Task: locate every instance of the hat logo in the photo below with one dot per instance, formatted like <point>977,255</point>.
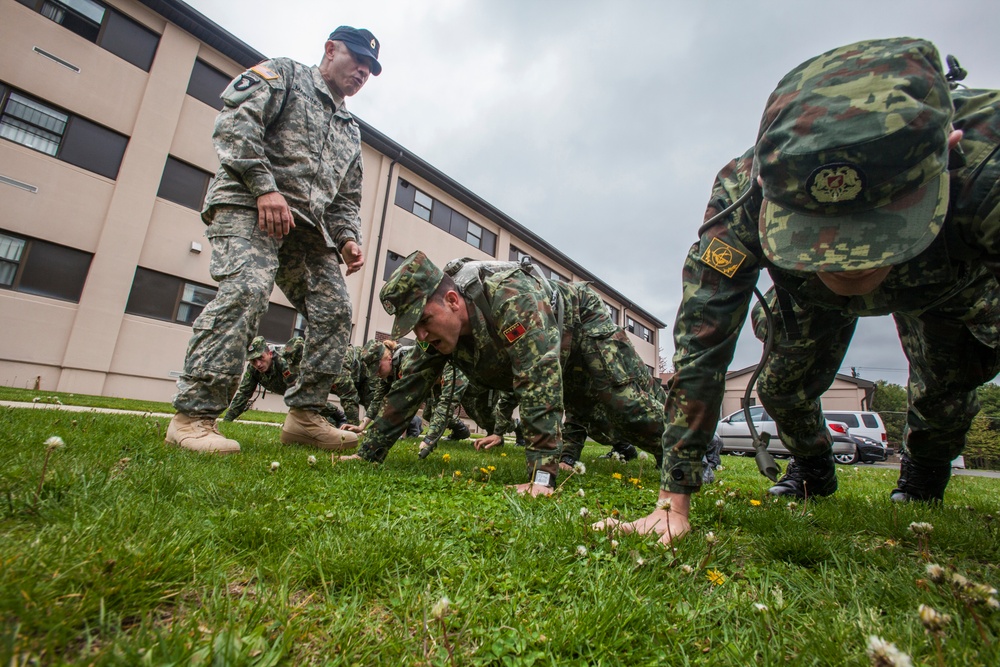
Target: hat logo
<point>372,43</point>
<point>389,308</point>
<point>833,183</point>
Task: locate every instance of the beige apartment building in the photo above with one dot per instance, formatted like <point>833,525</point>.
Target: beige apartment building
<point>106,115</point>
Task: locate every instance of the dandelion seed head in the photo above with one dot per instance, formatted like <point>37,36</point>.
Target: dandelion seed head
<point>579,468</point>
<point>885,654</point>
<point>584,512</point>
<point>581,493</point>
<point>663,504</point>
<point>581,550</point>
<point>643,456</point>
<point>762,608</point>
<point>710,538</point>
<point>55,442</point>
<point>935,573</point>
<point>933,620</point>
<point>687,569</point>
<point>440,608</point>
<point>311,460</point>
<point>275,465</point>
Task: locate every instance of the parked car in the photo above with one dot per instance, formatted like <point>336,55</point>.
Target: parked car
<point>866,450</point>
<point>736,439</point>
<point>868,424</point>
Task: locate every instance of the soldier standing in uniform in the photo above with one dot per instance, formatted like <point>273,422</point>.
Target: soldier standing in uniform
<point>508,328</point>
<point>276,372</point>
<point>872,190</point>
<point>283,208</point>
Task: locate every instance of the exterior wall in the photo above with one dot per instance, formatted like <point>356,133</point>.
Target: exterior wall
<point>842,395</point>
<point>93,346</point>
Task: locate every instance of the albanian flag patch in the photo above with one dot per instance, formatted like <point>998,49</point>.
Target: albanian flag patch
<point>512,333</point>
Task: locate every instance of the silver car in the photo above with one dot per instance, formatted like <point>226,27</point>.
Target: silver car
<point>736,439</point>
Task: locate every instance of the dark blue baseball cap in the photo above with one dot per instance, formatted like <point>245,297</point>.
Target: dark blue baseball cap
<point>361,42</point>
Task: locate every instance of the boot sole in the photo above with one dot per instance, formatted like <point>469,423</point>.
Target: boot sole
<point>292,439</point>
<point>220,452</point>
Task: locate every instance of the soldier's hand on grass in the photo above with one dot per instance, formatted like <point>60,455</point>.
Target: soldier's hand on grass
<point>353,428</point>
<point>273,215</point>
<point>489,442</point>
<point>565,467</point>
<point>534,489</point>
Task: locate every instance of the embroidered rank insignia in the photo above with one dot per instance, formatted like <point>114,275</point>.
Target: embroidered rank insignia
<point>512,333</point>
<point>423,345</point>
<point>265,72</point>
<point>723,257</point>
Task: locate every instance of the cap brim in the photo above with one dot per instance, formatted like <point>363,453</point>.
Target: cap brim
<point>879,237</point>
<point>404,322</point>
<point>376,67</point>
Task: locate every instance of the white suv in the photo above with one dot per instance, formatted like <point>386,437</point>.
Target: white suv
<point>867,424</point>
<point>735,435</point>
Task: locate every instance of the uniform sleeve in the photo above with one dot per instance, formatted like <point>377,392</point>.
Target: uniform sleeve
<point>342,217</point>
<point>241,399</point>
<point>523,314</point>
<point>250,102</point>
<point>720,272</point>
<point>503,413</point>
<point>419,373</point>
<point>453,384</point>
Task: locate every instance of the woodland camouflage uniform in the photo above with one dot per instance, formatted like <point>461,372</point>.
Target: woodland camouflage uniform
<point>942,289</point>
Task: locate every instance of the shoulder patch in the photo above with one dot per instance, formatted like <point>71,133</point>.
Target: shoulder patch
<point>512,333</point>
<point>264,72</point>
<point>285,374</point>
<point>245,82</point>
<point>723,257</point>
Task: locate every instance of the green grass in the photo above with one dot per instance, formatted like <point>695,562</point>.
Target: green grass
<point>139,553</point>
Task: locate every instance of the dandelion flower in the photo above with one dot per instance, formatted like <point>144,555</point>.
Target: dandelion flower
<point>55,442</point>
<point>755,502</point>
<point>584,512</point>
<point>311,460</point>
<point>935,573</point>
<point>457,473</point>
<point>501,454</point>
<point>581,493</point>
<point>440,608</point>
<point>687,569</point>
<point>933,620</point>
<point>885,654</point>
<point>616,475</point>
<point>579,468</point>
<point>275,465</point>
<point>446,458</point>
<point>581,551</point>
<point>710,538</point>
<point>716,577</point>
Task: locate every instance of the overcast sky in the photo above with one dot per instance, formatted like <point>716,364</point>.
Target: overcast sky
<point>601,124</point>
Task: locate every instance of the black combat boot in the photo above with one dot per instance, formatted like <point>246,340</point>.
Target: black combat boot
<point>807,476</point>
<point>519,434</point>
<point>459,431</point>
<point>625,450</point>
<point>414,427</point>
<point>920,481</point>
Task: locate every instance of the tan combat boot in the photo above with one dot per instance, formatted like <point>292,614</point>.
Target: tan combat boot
<point>306,427</point>
<point>199,434</point>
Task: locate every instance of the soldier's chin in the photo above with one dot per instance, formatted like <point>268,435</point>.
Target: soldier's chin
<point>443,346</point>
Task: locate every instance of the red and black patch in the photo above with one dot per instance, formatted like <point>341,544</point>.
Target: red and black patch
<point>512,333</point>
<point>285,374</point>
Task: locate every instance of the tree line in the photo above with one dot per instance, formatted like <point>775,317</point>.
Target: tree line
<point>982,449</point>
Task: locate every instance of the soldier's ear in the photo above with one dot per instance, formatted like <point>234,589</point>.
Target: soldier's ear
<point>453,299</point>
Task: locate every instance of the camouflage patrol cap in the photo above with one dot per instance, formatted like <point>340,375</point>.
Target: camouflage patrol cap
<point>372,352</point>
<point>853,154</point>
<point>406,292</point>
<point>256,348</point>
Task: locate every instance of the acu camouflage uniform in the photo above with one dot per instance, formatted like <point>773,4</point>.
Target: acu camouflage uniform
<point>281,130</point>
<point>353,385</point>
<point>945,301</point>
<point>552,343</point>
<point>282,374</point>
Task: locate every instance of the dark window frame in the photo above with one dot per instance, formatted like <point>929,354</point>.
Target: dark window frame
<point>159,303</point>
<point>53,280</point>
<point>444,217</point>
<point>176,189</point>
<point>201,84</point>
<point>392,262</point>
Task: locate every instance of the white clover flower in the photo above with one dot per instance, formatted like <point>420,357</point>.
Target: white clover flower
<point>579,468</point>
<point>958,581</point>
<point>36,399</point>
<point>584,512</point>
<point>643,456</point>
<point>614,544</point>
<point>440,608</point>
<point>762,608</point>
<point>935,573</point>
<point>720,504</point>
<point>581,493</point>
<point>921,528</point>
<point>710,538</point>
<point>639,561</point>
<point>663,504</point>
<point>55,442</point>
<point>993,604</point>
<point>274,466</point>
<point>581,551</point>
<point>885,654</point>
<point>687,569</point>
<point>311,460</point>
<point>615,456</point>
<point>933,620</point>
<point>793,505</point>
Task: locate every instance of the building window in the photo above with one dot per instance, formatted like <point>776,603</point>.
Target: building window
<point>392,262</point>
<point>183,184</point>
<point>652,371</point>
<point>278,323</point>
<point>639,330</point>
<point>69,138</point>
<point>299,328</point>
<point>166,297</point>
<point>518,255</point>
<point>445,218</point>
<point>109,29</point>
<point>207,83</point>
<point>45,269</point>
<point>613,312</point>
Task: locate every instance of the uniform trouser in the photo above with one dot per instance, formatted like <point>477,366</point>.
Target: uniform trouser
<point>947,364</point>
<point>247,263</point>
<point>608,390</point>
